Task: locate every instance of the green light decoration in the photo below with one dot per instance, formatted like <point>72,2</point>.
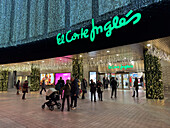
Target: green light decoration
<point>120,67</point>
<point>108,28</point>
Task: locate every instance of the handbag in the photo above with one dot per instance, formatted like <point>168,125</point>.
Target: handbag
<point>24,89</point>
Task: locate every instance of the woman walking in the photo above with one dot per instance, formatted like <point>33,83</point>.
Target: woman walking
<point>135,87</point>
<point>99,90</point>
<point>93,90</point>
<point>25,89</point>
<point>17,86</point>
<point>43,87</point>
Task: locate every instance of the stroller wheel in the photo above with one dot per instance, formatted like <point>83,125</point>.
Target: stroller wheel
<point>43,106</point>
<point>58,105</point>
<point>51,108</point>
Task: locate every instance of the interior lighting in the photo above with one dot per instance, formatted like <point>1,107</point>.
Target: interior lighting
<point>92,58</point>
<point>148,45</point>
<point>132,62</point>
<point>80,55</point>
<point>117,54</point>
<point>42,61</point>
<point>108,51</point>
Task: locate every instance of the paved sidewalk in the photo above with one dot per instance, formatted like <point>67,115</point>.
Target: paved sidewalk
<point>123,112</point>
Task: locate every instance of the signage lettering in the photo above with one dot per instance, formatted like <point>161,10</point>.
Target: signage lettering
<point>116,23</point>
<point>120,67</point>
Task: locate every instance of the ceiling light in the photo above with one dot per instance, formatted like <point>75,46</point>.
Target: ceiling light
<point>80,55</point>
<point>148,45</point>
<point>132,62</point>
<point>108,51</point>
<point>117,54</point>
<point>92,58</point>
<point>42,61</point>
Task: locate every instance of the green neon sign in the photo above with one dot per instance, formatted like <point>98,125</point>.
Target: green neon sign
<point>120,67</point>
<point>116,23</point>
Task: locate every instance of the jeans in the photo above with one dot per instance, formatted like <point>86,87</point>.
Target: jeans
<point>83,97</point>
<point>93,93</point>
<point>68,108</point>
<point>74,98</point>
<point>100,96</point>
<point>23,96</point>
<point>114,89</point>
<point>42,90</point>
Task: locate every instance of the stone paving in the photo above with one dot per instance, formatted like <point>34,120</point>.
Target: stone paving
<point>123,112</point>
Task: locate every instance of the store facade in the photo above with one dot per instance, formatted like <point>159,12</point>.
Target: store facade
<point>59,28</point>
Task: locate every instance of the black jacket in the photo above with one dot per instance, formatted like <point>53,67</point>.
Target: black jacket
<point>61,82</point>
<point>66,89</point>
<point>113,83</point>
<point>74,87</point>
<point>92,88</point>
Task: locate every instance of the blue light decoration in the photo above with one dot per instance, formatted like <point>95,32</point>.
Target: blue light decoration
<point>80,10</point>
<point>36,25</point>
<point>20,20</point>
<point>46,17</point>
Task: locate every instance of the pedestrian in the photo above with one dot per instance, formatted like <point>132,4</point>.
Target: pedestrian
<point>67,90</point>
<point>93,90</point>
<point>61,84</point>
<point>79,88</point>
<point>104,82</point>
<point>135,87</point>
<point>74,92</point>
<point>25,89</point>
<point>141,81</point>
<point>43,87</point>
<point>17,87</point>
<point>84,87</point>
<point>113,84</point>
<point>99,90</point>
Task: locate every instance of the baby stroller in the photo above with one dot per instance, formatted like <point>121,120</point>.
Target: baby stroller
<point>52,98</point>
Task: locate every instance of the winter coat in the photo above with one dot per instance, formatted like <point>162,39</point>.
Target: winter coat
<point>136,85</point>
<point>61,82</point>
<point>25,88</point>
<point>17,85</point>
<point>106,81</point>
<point>99,85</point>
<point>113,83</point>
<point>74,87</point>
<point>43,85</point>
<point>92,88</point>
<point>83,85</point>
<point>66,89</point>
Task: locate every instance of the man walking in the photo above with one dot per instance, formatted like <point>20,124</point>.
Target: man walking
<point>74,92</point>
<point>113,84</point>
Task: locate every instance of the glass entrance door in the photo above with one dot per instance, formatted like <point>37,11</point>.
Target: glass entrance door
<point>126,81</point>
<point>119,80</point>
